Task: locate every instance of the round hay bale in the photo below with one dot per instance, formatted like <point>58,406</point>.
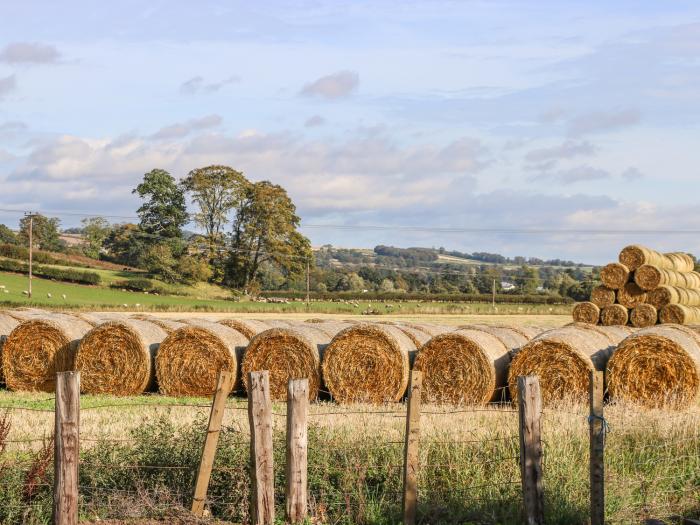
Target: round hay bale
<point>166,324</point>
<point>96,319</point>
<point>603,296</point>
<point>189,360</point>
<point>657,367</point>
<point>665,295</point>
<point>248,327</point>
<point>431,329</point>
<point>468,365</point>
<point>368,363</point>
<point>631,295</point>
<point>644,315</point>
<point>38,348</point>
<point>679,314</point>
<point>23,314</point>
<point>614,275</point>
<point>635,256</point>
<point>649,277</point>
<point>563,358</point>
<point>502,331</point>
<point>314,320</point>
<point>287,353</point>
<point>416,335</point>
<point>586,312</point>
<point>613,315</point>
<point>329,328</point>
<point>7,324</point>
<point>118,357</point>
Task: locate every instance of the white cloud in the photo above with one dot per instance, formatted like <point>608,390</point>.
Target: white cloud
<point>632,174</point>
<point>196,84</point>
<point>574,175</point>
<point>314,121</point>
<point>182,129</point>
<point>29,53</point>
<point>601,121</point>
<point>566,150</point>
<point>7,84</point>
<point>338,85</point>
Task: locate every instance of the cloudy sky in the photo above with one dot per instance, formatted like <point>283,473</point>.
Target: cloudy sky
<point>432,120</point>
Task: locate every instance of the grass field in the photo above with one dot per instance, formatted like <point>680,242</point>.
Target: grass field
<point>203,298</point>
<point>140,454</point>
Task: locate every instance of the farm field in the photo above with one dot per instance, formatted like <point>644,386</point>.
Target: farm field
<point>101,298</point>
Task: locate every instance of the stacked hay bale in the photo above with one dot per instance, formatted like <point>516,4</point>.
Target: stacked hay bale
<point>644,288</point>
<point>7,324</point>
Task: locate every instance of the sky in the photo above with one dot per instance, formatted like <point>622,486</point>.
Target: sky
<point>554,129</point>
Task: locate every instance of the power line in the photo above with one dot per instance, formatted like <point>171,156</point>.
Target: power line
<point>420,229</point>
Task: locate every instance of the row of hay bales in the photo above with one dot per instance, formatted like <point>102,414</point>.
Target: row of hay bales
<point>475,364</point>
<point>644,288</point>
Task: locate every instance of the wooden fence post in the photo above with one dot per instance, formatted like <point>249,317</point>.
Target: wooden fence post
<point>596,424</point>
<point>218,406</point>
<point>262,471</point>
<point>411,450</point>
<point>297,449</point>
<point>66,448</point>
<point>530,411</point>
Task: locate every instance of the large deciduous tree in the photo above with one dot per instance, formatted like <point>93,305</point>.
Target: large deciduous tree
<point>217,190</point>
<point>95,232</point>
<point>164,213</point>
<point>265,231</point>
<point>45,234</point>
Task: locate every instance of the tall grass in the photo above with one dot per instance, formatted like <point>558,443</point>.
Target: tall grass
<point>468,465</point>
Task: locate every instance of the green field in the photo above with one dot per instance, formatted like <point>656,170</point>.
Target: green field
<point>203,298</point>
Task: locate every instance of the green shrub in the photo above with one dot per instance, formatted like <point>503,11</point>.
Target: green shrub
<point>135,285</point>
<point>58,274</point>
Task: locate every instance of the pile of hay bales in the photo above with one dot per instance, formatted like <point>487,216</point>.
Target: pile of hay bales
<point>7,324</point>
<point>644,288</point>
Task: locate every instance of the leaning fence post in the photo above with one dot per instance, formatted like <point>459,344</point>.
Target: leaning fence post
<point>411,458</point>
<point>596,425</point>
<point>66,448</point>
<point>218,406</point>
<point>530,411</point>
<point>262,475</point>
<point>297,449</point>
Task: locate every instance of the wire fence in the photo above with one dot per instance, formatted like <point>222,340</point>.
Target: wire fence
<point>140,461</point>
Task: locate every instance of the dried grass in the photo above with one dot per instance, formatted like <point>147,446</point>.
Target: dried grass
<point>7,324</point>
<point>614,315</point>
<point>586,312</point>
<point>368,363</point>
<point>563,359</point>
<point>118,357</point>
<point>468,366</point>
<point>603,296</point>
<point>248,327</point>
<point>657,367</point>
<point>635,256</point>
<point>416,335</point>
<point>643,316</point>
<point>665,295</point>
<point>166,324</point>
<point>287,353</point>
<point>38,348</point>
<point>679,314</point>
<point>189,359</point>
<point>631,295</point>
<point>649,277</point>
<point>95,319</point>
<point>615,275</point>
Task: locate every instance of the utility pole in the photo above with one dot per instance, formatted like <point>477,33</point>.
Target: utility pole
<point>308,283</point>
<point>493,294</point>
<point>31,248</point>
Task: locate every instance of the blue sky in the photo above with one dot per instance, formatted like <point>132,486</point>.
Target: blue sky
<point>495,115</point>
